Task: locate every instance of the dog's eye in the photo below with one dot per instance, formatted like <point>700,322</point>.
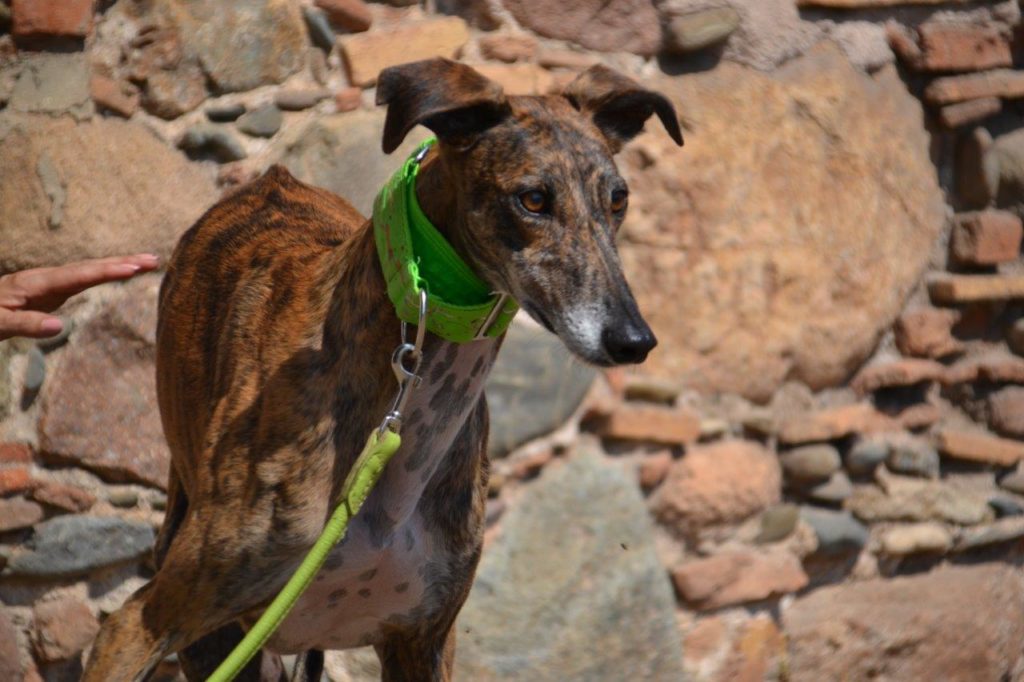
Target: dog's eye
<point>534,201</point>
<point>620,198</point>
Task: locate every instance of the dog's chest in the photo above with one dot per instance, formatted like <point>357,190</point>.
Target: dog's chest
<point>389,568</point>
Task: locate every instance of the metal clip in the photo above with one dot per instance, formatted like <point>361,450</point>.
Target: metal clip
<point>492,317</point>
<point>407,376</point>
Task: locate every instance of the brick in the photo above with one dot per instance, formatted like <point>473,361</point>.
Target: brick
<point>107,93</point>
<point>971,111</point>
<point>518,79</point>
<point>15,480</point>
<point>17,513</point>
<point>902,41</point>
<point>366,54</point>
<point>1006,411</point>
<point>737,577</point>
<point>834,423</point>
<point>509,48</point>
<point>996,83</point>
<point>351,15</point>
<point>51,18</point>
<point>997,368</point>
<point>927,333</point>
<point>905,372</point>
<point>15,453</point>
<point>980,447</point>
<point>986,237</point>
<point>919,416</point>
<point>952,289</point>
<point>955,47</point>
<point>651,423</point>
<point>66,497</point>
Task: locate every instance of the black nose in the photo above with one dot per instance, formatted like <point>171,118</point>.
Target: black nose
<point>628,343</point>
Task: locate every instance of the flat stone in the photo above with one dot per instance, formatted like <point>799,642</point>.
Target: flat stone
<point>366,54</point>
<point>572,60</point>
<point>205,141</point>
<point>810,462</point>
<point>833,491</point>
<point>995,367</point>
<point>518,79</point>
<point>905,372</point>
<point>599,608</point>
<point>51,18</point>
<point>913,456</point>
<point>69,546</point>
<point>1004,506</point>
<point>947,46</point>
<point>986,237</point>
<point>651,423</point>
<point>115,96</point>
<point>1006,411</point>
<point>1014,481</point>
<point>350,15</point>
<point>170,94</point>
<point>611,26</point>
<point>976,168</point>
<point>16,453</point>
<point>834,423</point>
<point>696,30</point>
<point>63,628</point>
<point>320,31</point>
<point>1002,530</point>
<point>223,113</point>
<point>1004,83</point>
<point>919,501</point>
<point>348,99</point>
<point>733,578</point>
<point>14,480</point>
<point>10,656</point>
<point>953,289</point>
<point>778,522</point>
<point>653,469</point>
<point>837,531</point>
<point>1015,337</point>
<point>52,84</point>
<point>970,112</point>
<point>35,369</point>
<point>297,100</point>
<point>508,47</point>
<point>17,513</point>
<point>980,447</point>
<point>67,498</point>
<point>915,539</point>
<point>263,121</point>
<point>927,332</point>
<point>123,497</point>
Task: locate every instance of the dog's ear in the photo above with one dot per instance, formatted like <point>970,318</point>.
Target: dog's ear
<point>619,105</point>
<point>451,99</point>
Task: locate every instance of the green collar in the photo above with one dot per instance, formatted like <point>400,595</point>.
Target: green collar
<point>414,255</point>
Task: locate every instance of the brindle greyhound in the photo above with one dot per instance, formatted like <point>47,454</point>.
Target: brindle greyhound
<point>273,364</point>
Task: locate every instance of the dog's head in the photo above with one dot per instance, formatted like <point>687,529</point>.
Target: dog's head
<point>535,197</point>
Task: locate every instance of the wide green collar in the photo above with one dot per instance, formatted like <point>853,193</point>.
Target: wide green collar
<point>414,255</point>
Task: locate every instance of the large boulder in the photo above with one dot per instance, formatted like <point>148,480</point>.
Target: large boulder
<point>609,25</point>
<point>923,627</point>
<point>572,589</point>
<point>94,189</point>
<point>785,236</point>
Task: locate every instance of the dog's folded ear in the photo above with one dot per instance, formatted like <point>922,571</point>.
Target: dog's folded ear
<point>619,105</point>
<point>449,98</point>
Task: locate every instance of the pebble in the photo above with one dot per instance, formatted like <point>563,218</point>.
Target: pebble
<point>224,113</point>
<point>1003,530</point>
<point>837,531</point>
<point>915,539</point>
<point>35,370</point>
<point>297,100</point>
<point>778,522</point>
<point>54,342</point>
<point>915,457</point>
<point>865,456</point>
<point>320,30</point>
<point>262,122</point>
<point>123,497</point>
<point>204,141</point>
<point>833,491</point>
<point>75,545</point>
<point>810,462</point>
<point>158,500</point>
<point>1004,506</point>
<point>697,30</point>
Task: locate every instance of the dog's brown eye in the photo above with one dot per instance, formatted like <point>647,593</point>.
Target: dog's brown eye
<point>534,201</point>
<point>620,198</point>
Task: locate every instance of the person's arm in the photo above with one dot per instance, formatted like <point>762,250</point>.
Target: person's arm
<point>27,296</point>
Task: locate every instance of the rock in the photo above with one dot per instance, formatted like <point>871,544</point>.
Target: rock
<point>833,491</point>
<point>864,630</point>
<point>994,367</point>
<point>772,32</point>
<point>366,54</point>
<point>599,608</point>
<point>986,237</point>
<point>63,628</point>
<point>35,370</point>
<point>553,58</point>
<point>976,169</point>
<point>169,94</point>
<point>778,522</point>
<point>810,462</point>
<point>719,483</point>
<point>110,207</point>
<point>264,121</point>
<point>52,84</point>
<point>205,141</point>
<point>837,531</point>
<point>518,79</point>
<point>224,113</point>
<point>1014,481</point>
<point>956,289</point>
<point>733,578</point>
<point>908,455</point>
<point>70,546</point>
<point>1004,530</point>
<point>522,410</point>
<point>320,31</point>
<point>14,480</point>
<point>651,423</point>
<point>700,29</point>
<point>17,513</point>
<point>1004,506</point>
<point>697,234</point>
<point>611,26</point>
<point>509,47</point>
<point>758,652</point>
<point>348,99</point>
<point>6,351</point>
<point>118,97</point>
<point>980,447</point>
<point>15,453</point>
<point>1008,151</point>
<point>834,423</point>
<point>650,390</point>
<point>946,46</point>
<point>1006,411</point>
<point>64,497</point>
<point>1015,337</point>
<point>10,665</point>
<point>1004,83</point>
<point>351,15</point>
<point>653,469</point>
<point>915,539</point>
<point>123,497</point>
<point>971,111</point>
<point>863,42</point>
<point>904,372</point>
<point>112,356</point>
<point>51,18</point>
<point>919,500</point>
<point>297,100</point>
<point>927,332</point>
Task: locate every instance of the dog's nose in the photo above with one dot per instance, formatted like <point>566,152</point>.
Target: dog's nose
<point>628,343</point>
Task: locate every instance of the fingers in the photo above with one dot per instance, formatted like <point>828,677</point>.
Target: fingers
<point>28,323</point>
<point>47,288</point>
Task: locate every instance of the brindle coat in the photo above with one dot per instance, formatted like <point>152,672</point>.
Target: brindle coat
<point>274,340</point>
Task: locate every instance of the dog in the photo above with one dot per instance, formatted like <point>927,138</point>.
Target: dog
<point>274,347</point>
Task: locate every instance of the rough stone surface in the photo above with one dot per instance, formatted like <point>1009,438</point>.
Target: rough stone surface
<point>904,372</point>
<point>508,47</point>
<point>916,538</point>
<point>909,455</point>
<point>736,577</point>
<point>833,491</point>
<point>263,121</point>
<point>114,96</point>
<point>986,237</point>
<point>366,54</point>
<point>518,79</point>
<point>652,423</point>
<point>53,84</point>
<point>697,30</point>
<point>75,545</point>
<point>320,31</point>
<point>299,99</point>
<point>1006,411</point>
<point>17,512</point>
<point>996,83</point>
<point>718,483</point>
<point>348,99</point>
<point>626,25</point>
<point>946,46</point>
<point>67,498</point>
<point>976,169</point>
<point>63,18</point>
<point>980,447</point>
<point>1003,530</point>
<point>865,630</point>
<point>834,423</point>
<point>778,522</point>
<point>170,94</point>
<point>600,607</point>
<point>919,500</point>
<point>927,332</point>
<point>521,410</point>
<point>10,665</point>
<point>351,15</point>
<point>14,480</point>
<point>810,462</point>
<point>837,532</point>
<point>63,628</point>
<point>765,246</point>
<point>971,111</point>
<point>953,289</point>
<point>112,356</point>
<point>110,206</point>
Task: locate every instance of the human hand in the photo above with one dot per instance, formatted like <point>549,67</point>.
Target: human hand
<point>27,296</point>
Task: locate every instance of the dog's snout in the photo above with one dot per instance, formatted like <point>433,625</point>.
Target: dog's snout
<point>628,343</point>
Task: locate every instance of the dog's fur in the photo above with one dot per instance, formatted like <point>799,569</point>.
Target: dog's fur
<point>274,340</point>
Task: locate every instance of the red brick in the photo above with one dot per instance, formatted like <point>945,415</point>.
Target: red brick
<point>980,447</point>
<point>955,47</point>
<point>58,18</point>
<point>971,111</point>
<point>986,237</point>
<point>996,83</point>
<point>15,453</point>
<point>905,372</point>
<point>15,480</point>
<point>66,497</point>
<point>927,332</point>
<point>652,423</point>
<point>351,15</point>
<point>951,289</point>
<point>120,98</point>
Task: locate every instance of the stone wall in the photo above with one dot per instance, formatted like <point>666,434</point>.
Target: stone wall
<point>817,475</point>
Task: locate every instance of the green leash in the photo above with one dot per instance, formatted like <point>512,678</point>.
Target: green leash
<point>459,308</point>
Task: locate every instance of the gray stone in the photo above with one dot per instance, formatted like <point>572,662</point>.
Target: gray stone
<point>1003,530</point>
<point>223,113</point>
<point>810,462</point>
<point>572,588</point>
<point>35,370</point>
<point>833,491</point>
<point>53,342</point>
<point>297,100</point>
<point>70,546</point>
<point>1008,151</point>
<point>700,29</point>
<point>169,94</point>
<point>54,189</point>
<point>915,539</point>
<point>1004,506</point>
<point>778,522</point>
<point>320,31</point>
<point>206,141</point>
<point>535,386</point>
<point>123,497</point>
<point>1014,481</point>
<point>53,84</point>
<point>918,500</point>
<point>264,121</point>
<point>915,457</point>
<point>976,169</point>
<point>17,513</point>
<point>837,531</point>
<point>865,456</point>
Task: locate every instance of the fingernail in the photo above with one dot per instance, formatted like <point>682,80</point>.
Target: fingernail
<point>151,257</point>
<point>52,325</point>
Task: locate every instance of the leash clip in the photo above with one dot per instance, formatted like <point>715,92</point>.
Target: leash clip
<point>405,363</point>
